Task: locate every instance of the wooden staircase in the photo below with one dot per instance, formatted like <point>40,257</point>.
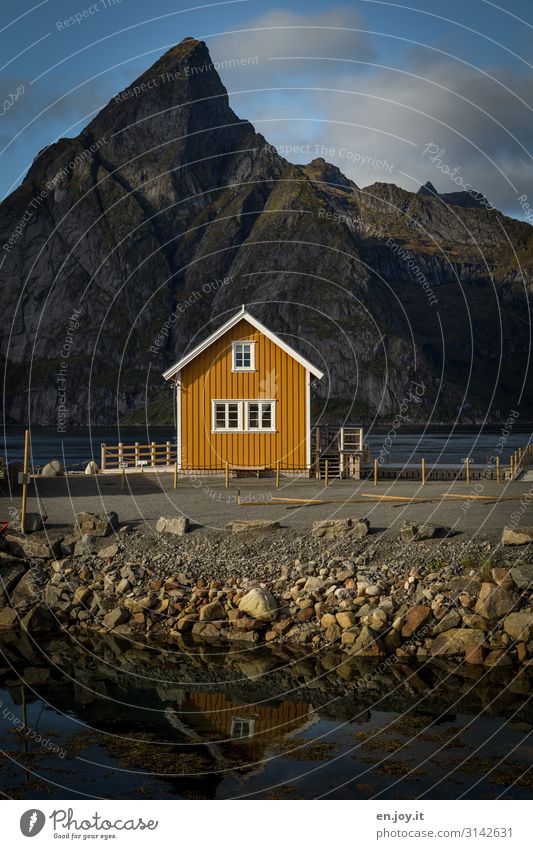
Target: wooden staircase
<point>334,466</point>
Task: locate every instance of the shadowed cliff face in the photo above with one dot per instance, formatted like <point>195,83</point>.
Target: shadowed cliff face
<point>132,241</point>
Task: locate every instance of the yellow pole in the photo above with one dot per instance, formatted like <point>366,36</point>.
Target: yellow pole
<point>467,468</point>
<point>376,471</point>
<point>277,473</point>
<point>25,481</point>
<point>175,481</point>
<point>226,481</point>
<point>423,471</point>
<point>498,469</point>
<point>326,464</point>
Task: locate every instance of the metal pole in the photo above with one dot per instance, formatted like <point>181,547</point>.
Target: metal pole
<point>25,481</point>
<point>376,471</point>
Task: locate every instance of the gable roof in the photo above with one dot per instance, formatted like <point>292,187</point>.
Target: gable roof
<point>239,316</point>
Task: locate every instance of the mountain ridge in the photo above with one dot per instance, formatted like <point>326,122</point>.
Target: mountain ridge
<point>167,191</point>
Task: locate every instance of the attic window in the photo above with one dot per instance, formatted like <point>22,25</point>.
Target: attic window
<point>243,356</point>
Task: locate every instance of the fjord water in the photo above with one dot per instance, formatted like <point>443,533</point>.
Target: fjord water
<point>437,445</point>
<point>124,721</point>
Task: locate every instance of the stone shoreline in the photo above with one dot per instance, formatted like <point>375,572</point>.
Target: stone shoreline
<point>427,594</point>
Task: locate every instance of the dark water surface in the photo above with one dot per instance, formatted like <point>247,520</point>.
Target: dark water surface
<point>195,722</point>
<point>80,445</point>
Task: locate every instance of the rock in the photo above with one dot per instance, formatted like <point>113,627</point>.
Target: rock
<point>108,551</point>
<point>522,575</point>
<point>456,641</point>
<point>9,577</point>
<point>115,617</point>
<point>242,526</point>
<point>503,578</point>
<point>517,536</point>
<point>81,596</point>
<point>332,528</point>
<point>473,620</point>
<point>87,544</point>
<point>41,545</point>
<point>519,626</point>
<point>9,619</point>
<point>451,620</point>
<point>333,633</point>
<point>30,587</point>
<point>259,604</point>
<point>39,620</point>
<point>212,612</point>
<point>96,524</point>
<point>494,602</point>
<point>498,657</point>
<point>474,655</point>
<point>53,469</point>
<point>372,591</point>
<point>123,586</point>
<point>91,468</point>
<point>327,620</point>
<point>177,525</point>
<point>313,585</point>
<point>33,522</point>
<point>367,644</point>
<point>415,618</point>
<point>413,532</point>
<point>245,637</point>
<point>346,619</point>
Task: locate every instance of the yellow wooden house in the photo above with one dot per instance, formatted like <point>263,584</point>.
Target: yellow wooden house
<point>243,401</point>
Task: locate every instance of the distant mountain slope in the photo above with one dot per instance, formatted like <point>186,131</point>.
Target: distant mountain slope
<point>126,244</point>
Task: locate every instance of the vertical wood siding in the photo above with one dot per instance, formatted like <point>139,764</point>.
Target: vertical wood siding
<point>277,377</point>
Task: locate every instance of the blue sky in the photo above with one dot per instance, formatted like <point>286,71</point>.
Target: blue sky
<point>373,83</point>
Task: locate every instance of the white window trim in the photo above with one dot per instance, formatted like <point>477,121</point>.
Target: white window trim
<point>243,415</point>
<point>252,355</point>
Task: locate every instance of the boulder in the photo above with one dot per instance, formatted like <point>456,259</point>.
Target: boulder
<point>177,525</point>
<point>519,626</point>
<point>367,644</point>
<point>494,602</point>
<point>42,545</point>
<point>522,575</point>
<point>346,619</point>
<point>116,617</point>
<point>451,620</point>
<point>108,551</point>
<point>39,620</point>
<point>212,612</point>
<point>9,619</point>
<point>30,587</point>
<point>96,524</point>
<point>91,468</point>
<point>415,618</point>
<point>414,532</point>
<point>259,604</point>
<point>81,596</point>
<point>332,528</point>
<point>53,469</point>
<point>240,526</point>
<point>9,578</point>
<point>456,641</point>
<point>32,522</point>
<point>517,536</point>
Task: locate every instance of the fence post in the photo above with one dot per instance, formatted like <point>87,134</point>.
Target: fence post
<point>497,469</point>
<point>102,455</point>
<point>467,469</point>
<point>375,471</point>
<point>137,454</point>
<point>25,481</point>
<point>423,470</point>
<point>168,454</point>
<point>277,473</point>
<point>152,454</point>
<point>326,471</point>
<point>226,476</point>
<point>175,481</point>
<point>120,453</point>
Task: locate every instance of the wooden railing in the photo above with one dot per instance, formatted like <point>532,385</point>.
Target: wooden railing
<point>137,455</point>
<point>347,439</point>
<point>520,461</point>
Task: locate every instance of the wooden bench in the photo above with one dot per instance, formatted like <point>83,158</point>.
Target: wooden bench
<point>253,469</point>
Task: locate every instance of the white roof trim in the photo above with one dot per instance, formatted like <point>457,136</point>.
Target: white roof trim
<point>242,314</point>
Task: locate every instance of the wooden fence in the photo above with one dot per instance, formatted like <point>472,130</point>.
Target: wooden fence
<point>137,456</point>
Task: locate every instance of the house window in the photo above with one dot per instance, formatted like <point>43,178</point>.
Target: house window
<point>260,415</point>
<point>227,415</point>
<point>244,416</point>
<point>243,356</point>
<point>241,728</point>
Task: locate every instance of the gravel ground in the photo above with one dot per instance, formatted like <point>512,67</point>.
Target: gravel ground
<point>208,504</point>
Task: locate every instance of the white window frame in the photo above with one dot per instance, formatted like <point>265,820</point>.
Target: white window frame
<point>243,415</point>
<point>240,724</point>
<point>234,366</point>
